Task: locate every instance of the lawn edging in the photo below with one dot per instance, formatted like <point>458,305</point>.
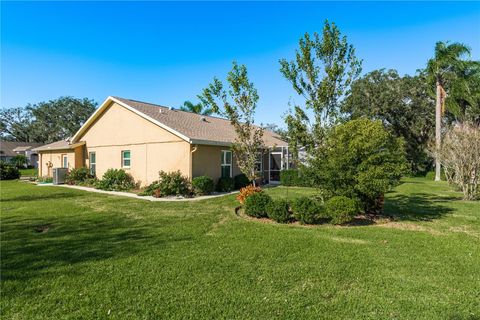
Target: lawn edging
<point>136,196</point>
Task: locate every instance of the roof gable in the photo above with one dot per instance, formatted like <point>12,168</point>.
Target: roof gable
<point>191,127</point>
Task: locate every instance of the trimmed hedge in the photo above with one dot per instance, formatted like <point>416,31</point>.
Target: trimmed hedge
<point>256,204</point>
<point>202,185</point>
<point>341,209</point>
<point>278,210</point>
<point>308,210</point>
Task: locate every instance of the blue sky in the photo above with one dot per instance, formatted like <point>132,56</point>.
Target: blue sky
<point>168,52</point>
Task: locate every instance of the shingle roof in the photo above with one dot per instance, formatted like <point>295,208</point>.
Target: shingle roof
<point>207,129</point>
<point>7,147</point>
<point>58,145</point>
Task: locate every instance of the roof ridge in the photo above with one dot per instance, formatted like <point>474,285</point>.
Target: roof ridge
<point>174,109</point>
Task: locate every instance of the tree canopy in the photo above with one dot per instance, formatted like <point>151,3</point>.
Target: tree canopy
<point>402,104</point>
<point>238,101</point>
<point>45,122</point>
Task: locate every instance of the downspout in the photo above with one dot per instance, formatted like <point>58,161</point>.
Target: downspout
<point>194,149</point>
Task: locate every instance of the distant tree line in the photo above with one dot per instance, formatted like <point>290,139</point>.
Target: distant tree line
<point>47,121</point>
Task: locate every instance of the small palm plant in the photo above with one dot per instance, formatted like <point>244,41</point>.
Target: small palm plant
<point>197,108</point>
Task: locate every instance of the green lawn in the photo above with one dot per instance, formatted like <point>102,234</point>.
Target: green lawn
<point>28,172</point>
<point>111,257</point>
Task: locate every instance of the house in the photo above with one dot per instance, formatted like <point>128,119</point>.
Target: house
<point>10,149</point>
<point>144,138</point>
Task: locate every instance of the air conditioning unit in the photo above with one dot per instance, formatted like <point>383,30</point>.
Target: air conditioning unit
<point>59,175</point>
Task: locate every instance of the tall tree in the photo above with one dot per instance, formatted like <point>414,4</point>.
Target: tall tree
<point>323,69</point>
<point>16,125</point>
<point>404,106</point>
<point>196,108</point>
<point>237,100</point>
<point>46,121</point>
<point>443,70</point>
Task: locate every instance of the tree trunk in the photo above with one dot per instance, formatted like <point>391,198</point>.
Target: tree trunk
<point>438,137</point>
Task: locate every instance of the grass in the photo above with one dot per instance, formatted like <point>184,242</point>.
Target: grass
<point>28,172</point>
<point>69,254</point>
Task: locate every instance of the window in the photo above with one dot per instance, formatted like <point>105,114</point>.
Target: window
<point>259,162</point>
<point>126,158</point>
<point>93,163</point>
<point>64,161</point>
<point>226,164</point>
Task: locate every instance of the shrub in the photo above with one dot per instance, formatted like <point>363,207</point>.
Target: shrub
<point>202,185</point>
<point>240,181</point>
<point>225,184</point>
<point>341,209</point>
<point>8,171</point>
<point>278,210</point>
<point>247,191</point>
<point>256,204</point>
<point>116,180</point>
<point>289,177</point>
<point>78,176</point>
<point>360,159</point>
<point>19,161</point>
<point>45,179</point>
<point>173,184</point>
<point>301,177</point>
<point>308,210</point>
<point>150,189</point>
<point>431,175</point>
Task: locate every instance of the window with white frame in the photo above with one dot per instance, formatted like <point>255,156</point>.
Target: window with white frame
<point>64,161</point>
<point>92,165</point>
<point>126,159</point>
<point>226,164</point>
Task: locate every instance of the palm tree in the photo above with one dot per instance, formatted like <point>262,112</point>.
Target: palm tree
<point>443,69</point>
<point>196,108</point>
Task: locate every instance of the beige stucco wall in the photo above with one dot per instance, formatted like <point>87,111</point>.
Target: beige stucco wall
<point>206,161</point>
<point>75,158</point>
<point>152,148</point>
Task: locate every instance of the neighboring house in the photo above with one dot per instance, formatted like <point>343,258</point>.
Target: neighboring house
<point>145,138</point>
<point>10,149</point>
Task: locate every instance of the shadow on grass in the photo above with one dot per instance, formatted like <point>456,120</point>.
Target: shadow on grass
<point>417,207</point>
<point>44,245</point>
<point>37,197</point>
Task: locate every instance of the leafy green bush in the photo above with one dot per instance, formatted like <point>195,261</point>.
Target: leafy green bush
<point>172,184</point>
<point>341,209</point>
<point>116,180</point>
<point>203,185</point>
<point>278,210</point>
<point>362,160</point>
<point>241,181</point>
<point>78,176</point>
<point>8,171</point>
<point>301,177</point>
<point>225,184</point>
<point>256,204</point>
<point>19,161</point>
<point>431,175</point>
<point>308,210</point>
